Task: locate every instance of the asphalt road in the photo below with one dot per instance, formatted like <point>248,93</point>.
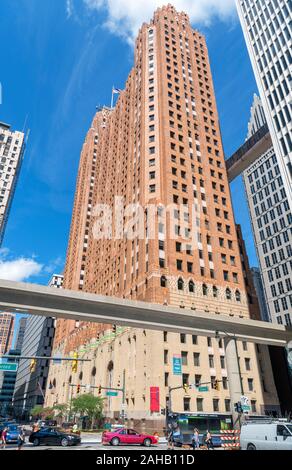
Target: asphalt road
<point>86,446</point>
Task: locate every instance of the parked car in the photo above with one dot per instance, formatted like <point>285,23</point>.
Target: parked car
<point>275,435</point>
<point>12,433</point>
<point>54,437</point>
<point>128,437</point>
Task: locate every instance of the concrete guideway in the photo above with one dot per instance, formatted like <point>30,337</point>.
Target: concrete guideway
<point>42,300</point>
<point>249,152</point>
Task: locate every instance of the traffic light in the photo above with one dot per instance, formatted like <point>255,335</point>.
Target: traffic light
<point>186,388</point>
<point>75,363</point>
<point>32,366</point>
<point>238,407</point>
<point>99,390</point>
<point>78,389</point>
<point>216,385</point>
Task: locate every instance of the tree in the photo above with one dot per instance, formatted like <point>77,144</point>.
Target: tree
<point>89,405</point>
<point>60,410</point>
<point>40,412</point>
<point>37,411</point>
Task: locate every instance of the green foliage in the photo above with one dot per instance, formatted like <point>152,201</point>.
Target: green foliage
<point>60,410</point>
<point>88,405</point>
<point>40,412</point>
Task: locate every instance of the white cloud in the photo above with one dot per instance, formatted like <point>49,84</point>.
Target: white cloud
<point>124,17</point>
<point>19,269</point>
<point>69,8</point>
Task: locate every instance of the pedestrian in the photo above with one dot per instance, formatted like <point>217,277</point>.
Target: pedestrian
<point>75,429</point>
<point>35,427</point>
<point>209,441</point>
<point>4,438</point>
<point>21,438</point>
<point>196,439</point>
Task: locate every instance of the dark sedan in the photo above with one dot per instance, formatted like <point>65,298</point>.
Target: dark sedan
<point>54,437</point>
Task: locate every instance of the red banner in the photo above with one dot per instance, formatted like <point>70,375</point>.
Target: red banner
<point>154,400</point>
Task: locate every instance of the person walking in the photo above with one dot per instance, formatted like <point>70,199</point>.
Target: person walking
<point>209,441</point>
<point>196,439</point>
<point>4,438</point>
<point>21,438</point>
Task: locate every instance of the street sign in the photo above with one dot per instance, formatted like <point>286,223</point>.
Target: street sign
<point>8,367</point>
<point>111,394</point>
<point>177,365</point>
<point>124,406</point>
<point>245,404</point>
<point>203,389</point>
<point>88,388</point>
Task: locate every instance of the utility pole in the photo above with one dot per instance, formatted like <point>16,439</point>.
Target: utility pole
<point>124,396</point>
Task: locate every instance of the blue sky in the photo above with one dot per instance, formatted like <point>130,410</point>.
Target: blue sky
<point>59,59</point>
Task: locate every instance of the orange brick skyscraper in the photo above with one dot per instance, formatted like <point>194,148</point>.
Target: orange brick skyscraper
<point>160,151</point>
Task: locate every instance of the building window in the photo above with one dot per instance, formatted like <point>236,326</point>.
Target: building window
<point>247,363</point>
<point>183,338</point>
<point>216,405</point>
<point>184,358</point>
<point>227,406</point>
<point>197,359</point>
<point>250,384</point>
<point>165,356</point>
<point>163,282</point>
<point>200,406</point>
<point>187,404</point>
<point>166,379</point>
<point>180,284</point>
<point>253,406</point>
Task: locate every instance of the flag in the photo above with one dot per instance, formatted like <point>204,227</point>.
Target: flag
<point>117,91</point>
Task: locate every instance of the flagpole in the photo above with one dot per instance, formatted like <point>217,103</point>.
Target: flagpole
<point>112,102</point>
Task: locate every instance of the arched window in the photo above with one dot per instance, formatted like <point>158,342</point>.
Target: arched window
<point>205,289</point>
<point>163,281</point>
<point>93,372</point>
<point>54,383</point>
<point>238,296</point>
<point>81,376</point>
<point>191,286</point>
<point>228,294</point>
<point>180,284</point>
<point>110,366</point>
<point>70,379</point>
<point>215,292</point>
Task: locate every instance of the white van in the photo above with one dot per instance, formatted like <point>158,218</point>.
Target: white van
<point>275,435</point>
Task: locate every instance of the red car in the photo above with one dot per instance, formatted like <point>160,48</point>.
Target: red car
<point>128,437</point>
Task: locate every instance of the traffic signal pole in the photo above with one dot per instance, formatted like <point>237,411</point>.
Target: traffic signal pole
<point>192,386</point>
<point>234,376</point>
<point>47,358</point>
